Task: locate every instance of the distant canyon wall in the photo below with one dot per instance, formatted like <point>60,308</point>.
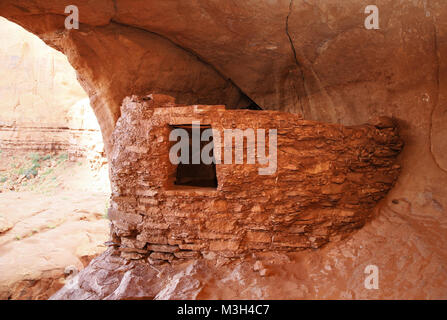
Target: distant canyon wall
<point>42,107</point>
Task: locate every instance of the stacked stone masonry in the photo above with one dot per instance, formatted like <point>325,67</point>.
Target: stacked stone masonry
<point>329,177</point>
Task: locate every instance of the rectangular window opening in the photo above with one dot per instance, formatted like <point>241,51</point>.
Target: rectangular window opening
<point>200,175</point>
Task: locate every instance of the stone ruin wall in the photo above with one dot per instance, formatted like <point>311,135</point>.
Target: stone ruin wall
<point>328,179</point>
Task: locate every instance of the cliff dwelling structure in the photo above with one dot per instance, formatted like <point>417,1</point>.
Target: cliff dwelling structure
<point>325,182</point>
<point>263,149</point>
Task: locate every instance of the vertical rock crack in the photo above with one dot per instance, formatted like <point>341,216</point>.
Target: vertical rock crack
<point>298,64</point>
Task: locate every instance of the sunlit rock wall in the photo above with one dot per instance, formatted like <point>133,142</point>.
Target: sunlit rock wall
<point>42,106</point>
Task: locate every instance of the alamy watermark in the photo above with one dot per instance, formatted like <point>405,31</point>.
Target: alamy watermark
<point>371,21</point>
<point>372,280</point>
<point>212,151</point>
<point>72,20</point>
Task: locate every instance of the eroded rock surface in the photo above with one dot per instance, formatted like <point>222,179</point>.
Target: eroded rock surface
<point>415,271</point>
<point>45,240</point>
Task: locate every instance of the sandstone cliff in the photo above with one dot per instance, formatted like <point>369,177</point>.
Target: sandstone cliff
<point>43,108</point>
<point>310,57</point>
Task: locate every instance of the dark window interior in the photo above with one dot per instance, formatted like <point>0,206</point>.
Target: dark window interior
<point>196,175</point>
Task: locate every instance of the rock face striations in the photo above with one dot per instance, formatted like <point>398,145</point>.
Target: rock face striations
<point>43,108</point>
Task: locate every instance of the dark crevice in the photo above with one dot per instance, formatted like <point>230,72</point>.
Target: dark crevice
<point>436,99</point>
<point>115,6</point>
<point>21,8</point>
<point>298,64</point>
<point>251,104</point>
